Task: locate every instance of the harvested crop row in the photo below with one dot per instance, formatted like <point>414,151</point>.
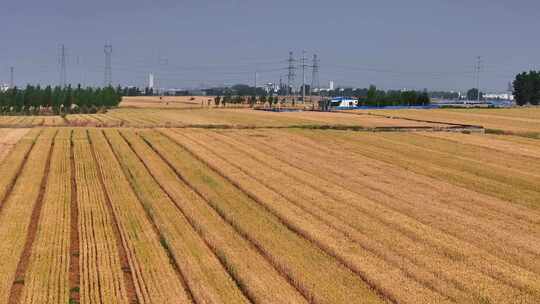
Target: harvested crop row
<point>144,117</point>
<point>375,175</point>
<point>8,139</point>
<point>498,164</point>
<point>500,123</point>
<point>128,119</point>
<point>205,276</point>
<point>494,116</point>
<point>53,121</point>
<point>8,120</point>
<point>480,178</point>
<point>250,270</point>
<point>154,277</point>
<point>451,208</point>
<point>19,121</point>
<point>497,143</point>
<point>382,270</point>
<point>108,120</point>
<point>317,183</point>
<point>316,274</point>
<point>437,214</point>
<point>11,136</point>
<point>101,275</point>
<point>46,279</point>
<point>13,162</point>
<point>329,206</point>
<point>16,213</point>
<point>469,232</point>
<point>509,112</point>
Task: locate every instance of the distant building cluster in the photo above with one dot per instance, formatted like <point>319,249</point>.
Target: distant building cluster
<point>499,96</point>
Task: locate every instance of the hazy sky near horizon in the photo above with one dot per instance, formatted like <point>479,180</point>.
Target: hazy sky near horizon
<point>393,44</point>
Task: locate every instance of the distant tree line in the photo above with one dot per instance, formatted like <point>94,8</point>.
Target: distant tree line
<point>36,100</point>
<point>527,88</point>
<point>444,95</point>
<point>380,98</point>
<point>230,99</point>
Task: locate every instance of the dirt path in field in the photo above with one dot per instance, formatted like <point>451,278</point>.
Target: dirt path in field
<point>74,249</point>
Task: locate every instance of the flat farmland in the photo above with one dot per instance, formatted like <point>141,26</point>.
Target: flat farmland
<point>518,121</point>
<point>211,117</point>
<point>191,215</point>
<point>250,118</point>
<point>167,102</point>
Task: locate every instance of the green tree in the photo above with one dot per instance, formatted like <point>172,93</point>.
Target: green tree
<point>472,94</point>
<point>371,95</point>
<point>424,99</point>
<point>527,88</point>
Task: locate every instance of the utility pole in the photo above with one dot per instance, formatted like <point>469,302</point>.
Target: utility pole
<point>290,75</point>
<point>108,66</point>
<point>314,76</point>
<point>303,76</point>
<point>255,87</point>
<point>478,69</point>
<point>280,88</point>
<point>63,76</point>
<point>11,77</point>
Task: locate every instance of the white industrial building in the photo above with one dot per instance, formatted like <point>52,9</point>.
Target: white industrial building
<point>499,96</point>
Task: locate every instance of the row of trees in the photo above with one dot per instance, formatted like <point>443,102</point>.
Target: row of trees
<point>46,100</point>
<point>251,100</point>
<point>527,88</point>
<point>380,98</point>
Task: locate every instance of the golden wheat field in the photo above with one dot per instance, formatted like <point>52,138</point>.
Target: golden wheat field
<point>517,121</point>
<point>165,102</point>
<point>201,117</point>
<point>147,212</point>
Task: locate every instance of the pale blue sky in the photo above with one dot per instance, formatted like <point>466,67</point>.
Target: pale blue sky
<point>393,44</point>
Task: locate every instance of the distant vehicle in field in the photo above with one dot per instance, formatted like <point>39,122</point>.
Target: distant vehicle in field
<point>343,102</point>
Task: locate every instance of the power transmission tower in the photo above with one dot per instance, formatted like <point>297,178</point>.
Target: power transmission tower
<point>63,76</point>
<point>11,77</point>
<point>303,76</point>
<point>291,74</point>
<point>314,76</point>
<point>108,66</point>
<point>478,69</point>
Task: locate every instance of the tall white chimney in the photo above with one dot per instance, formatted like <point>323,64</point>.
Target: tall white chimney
<point>151,81</point>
